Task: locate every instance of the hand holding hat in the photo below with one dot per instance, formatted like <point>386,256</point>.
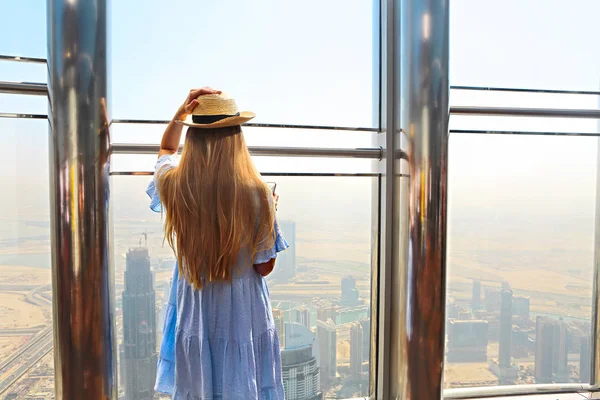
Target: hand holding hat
<point>209,109</point>
<point>191,101</point>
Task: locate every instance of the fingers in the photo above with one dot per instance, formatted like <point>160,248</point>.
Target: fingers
<point>194,93</point>
<point>190,107</point>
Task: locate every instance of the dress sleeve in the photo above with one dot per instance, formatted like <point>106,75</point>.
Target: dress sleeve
<point>164,163</point>
<point>280,245</point>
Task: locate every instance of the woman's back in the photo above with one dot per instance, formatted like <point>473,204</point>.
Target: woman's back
<point>219,338</point>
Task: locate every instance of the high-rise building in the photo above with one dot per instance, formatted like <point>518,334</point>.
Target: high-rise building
<point>492,300</point>
<point>366,328</point>
<point>585,359</point>
<point>551,351</point>
<point>505,345</point>
<point>560,352</point>
<point>299,367</point>
<point>467,341</point>
<point>139,327</point>
<point>327,338</point>
<point>476,297</point>
<point>285,265</point>
<point>356,350</point>
<point>302,316</point>
<point>349,292</point>
<point>327,312</point>
<point>278,317</point>
<point>521,306</point>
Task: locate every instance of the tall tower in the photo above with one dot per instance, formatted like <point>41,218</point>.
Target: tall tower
<point>476,297</point>
<point>356,350</point>
<point>302,316</point>
<point>585,359</point>
<point>560,352</point>
<point>327,339</point>
<point>544,340</point>
<point>278,317</point>
<point>139,327</point>
<point>551,351</point>
<point>505,328</point>
<point>299,366</point>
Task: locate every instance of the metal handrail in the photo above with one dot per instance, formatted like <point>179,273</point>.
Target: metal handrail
<point>34,60</point>
<point>27,88</point>
<point>508,390</point>
<point>525,90</point>
<point>367,153</point>
<point>256,125</point>
<point>525,112</point>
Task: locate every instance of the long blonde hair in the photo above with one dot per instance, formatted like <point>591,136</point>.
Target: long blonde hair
<point>218,208</point>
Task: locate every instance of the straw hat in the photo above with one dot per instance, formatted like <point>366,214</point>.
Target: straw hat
<point>216,111</point>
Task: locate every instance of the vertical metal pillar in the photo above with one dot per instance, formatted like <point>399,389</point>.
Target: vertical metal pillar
<point>424,120</point>
<point>594,377</point>
<point>82,281</point>
<point>414,122</point>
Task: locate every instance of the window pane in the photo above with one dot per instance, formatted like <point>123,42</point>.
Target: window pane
<point>520,259</point>
<point>23,28</point>
<point>307,62</point>
<point>531,44</point>
<point>326,274</point>
<point>255,136</point>
<point>25,275</point>
<point>23,104</point>
<point>12,71</point>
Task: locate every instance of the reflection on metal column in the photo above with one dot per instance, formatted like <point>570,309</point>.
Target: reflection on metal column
<point>82,283</point>
<point>420,279</point>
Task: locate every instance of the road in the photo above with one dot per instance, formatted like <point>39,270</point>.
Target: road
<point>33,354</point>
<point>26,356</point>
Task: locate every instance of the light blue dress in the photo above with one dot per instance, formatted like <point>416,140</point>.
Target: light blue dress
<point>219,342</point>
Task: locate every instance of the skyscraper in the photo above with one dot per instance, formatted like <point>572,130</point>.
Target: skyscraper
<point>356,350</point>
<point>349,292</point>
<point>476,297</point>
<point>585,359</point>
<point>505,345</point>
<point>551,351</point>
<point>327,312</point>
<point>521,306</point>
<point>139,327</point>
<point>302,316</point>
<point>560,352</point>
<point>327,338</point>
<point>285,267</point>
<point>467,341</point>
<point>278,317</point>
<point>300,372</point>
<point>366,328</point>
<point>544,340</point>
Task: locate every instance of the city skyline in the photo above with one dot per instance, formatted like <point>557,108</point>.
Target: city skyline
<point>520,207</point>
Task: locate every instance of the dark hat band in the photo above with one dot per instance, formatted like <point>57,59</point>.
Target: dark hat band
<point>210,119</point>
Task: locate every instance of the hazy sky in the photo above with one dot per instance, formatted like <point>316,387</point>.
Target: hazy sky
<point>311,62</point>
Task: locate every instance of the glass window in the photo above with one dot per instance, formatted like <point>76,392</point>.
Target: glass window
<point>25,265</point>
<point>521,215</point>
<point>12,71</point>
<point>305,63</point>
<point>543,44</point>
<point>322,282</point>
<point>23,28</point>
<point>23,104</point>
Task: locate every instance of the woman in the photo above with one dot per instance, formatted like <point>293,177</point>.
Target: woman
<point>219,338</point>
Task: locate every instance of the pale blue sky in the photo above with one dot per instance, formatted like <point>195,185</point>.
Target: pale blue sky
<point>311,62</point>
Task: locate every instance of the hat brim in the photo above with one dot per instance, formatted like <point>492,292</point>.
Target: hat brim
<point>244,117</point>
